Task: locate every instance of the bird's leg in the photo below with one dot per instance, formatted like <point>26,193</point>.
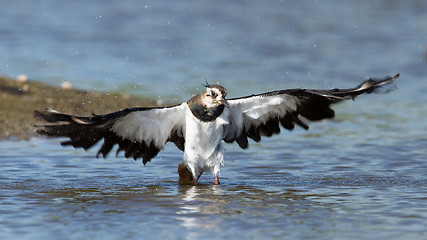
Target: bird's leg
<point>197,179</point>
<point>216,181</point>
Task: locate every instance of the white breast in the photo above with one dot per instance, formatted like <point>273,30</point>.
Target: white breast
<point>203,148</point>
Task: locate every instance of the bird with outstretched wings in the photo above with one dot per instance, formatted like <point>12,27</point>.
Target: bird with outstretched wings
<point>198,126</point>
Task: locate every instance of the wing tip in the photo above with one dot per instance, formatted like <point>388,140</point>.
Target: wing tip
<point>388,80</point>
<point>396,76</point>
<point>51,115</point>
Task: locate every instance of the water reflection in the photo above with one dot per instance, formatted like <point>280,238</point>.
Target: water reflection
<point>213,207</point>
<point>198,206</point>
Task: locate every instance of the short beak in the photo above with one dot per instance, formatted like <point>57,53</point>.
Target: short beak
<point>225,103</point>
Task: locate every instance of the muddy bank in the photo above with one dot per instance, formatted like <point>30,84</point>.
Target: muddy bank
<point>18,100</point>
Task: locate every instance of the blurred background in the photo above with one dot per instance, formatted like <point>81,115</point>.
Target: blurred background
<point>167,49</point>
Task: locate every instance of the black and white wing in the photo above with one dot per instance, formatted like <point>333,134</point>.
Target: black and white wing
<point>139,132</point>
<point>261,115</point>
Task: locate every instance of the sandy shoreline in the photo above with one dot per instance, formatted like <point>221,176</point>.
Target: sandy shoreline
<point>18,100</point>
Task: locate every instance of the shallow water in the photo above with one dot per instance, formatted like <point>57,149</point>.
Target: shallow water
<point>265,192</point>
<point>361,176</point>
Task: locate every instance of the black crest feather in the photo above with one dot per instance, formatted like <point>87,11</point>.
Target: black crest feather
<point>206,84</point>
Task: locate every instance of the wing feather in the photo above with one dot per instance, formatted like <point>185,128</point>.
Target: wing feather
<point>262,114</point>
<point>139,132</point>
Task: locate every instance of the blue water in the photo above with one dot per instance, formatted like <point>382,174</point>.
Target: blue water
<point>361,176</point>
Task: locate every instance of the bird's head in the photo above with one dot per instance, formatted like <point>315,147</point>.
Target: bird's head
<point>215,96</point>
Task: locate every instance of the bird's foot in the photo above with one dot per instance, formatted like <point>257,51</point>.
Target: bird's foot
<point>216,181</point>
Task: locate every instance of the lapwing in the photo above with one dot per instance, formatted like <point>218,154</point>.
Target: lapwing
<point>199,126</point>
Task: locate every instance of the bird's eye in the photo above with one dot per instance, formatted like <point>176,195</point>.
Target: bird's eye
<point>213,94</point>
